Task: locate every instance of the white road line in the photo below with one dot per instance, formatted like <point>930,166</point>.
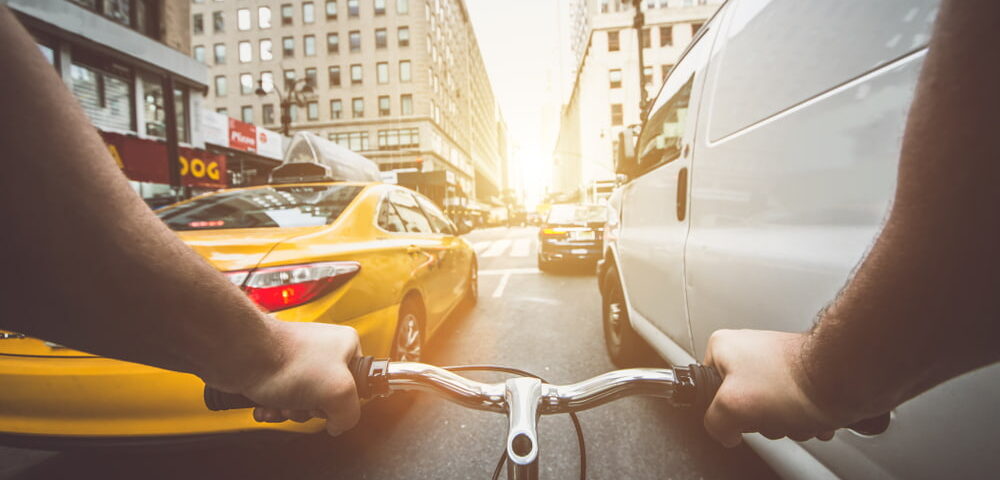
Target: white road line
<point>480,246</point>
<point>521,247</point>
<point>509,271</point>
<point>503,284</point>
<point>497,248</point>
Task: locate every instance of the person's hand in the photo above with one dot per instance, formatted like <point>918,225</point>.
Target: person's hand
<point>313,379</point>
<point>763,389</point>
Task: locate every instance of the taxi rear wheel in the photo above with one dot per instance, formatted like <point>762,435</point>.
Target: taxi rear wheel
<point>408,344</point>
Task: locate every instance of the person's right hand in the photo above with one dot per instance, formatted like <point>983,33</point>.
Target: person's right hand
<point>312,379</point>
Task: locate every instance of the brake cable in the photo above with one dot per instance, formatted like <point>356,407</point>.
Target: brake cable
<point>514,371</point>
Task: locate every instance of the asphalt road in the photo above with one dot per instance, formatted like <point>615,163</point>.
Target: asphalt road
<point>549,324</point>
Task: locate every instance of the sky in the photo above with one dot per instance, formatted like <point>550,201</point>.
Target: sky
<point>524,45</point>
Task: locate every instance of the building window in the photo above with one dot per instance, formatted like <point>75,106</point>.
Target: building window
<point>402,7</point>
<point>353,9</point>
<point>222,110</point>
<point>356,75</point>
<point>358,107</point>
<point>605,6</point>
<point>336,109</point>
<point>199,53</point>
<point>331,9</point>
<point>267,111</point>
<point>615,77</point>
<point>220,86</point>
<point>312,110</point>
<point>267,81</point>
<point>406,104</point>
<point>332,43</point>
<point>243,19</point>
<point>379,7</point>
<point>695,27</point>
<point>356,141</point>
<point>293,112</point>
<point>382,72</point>
<point>266,49</point>
<point>355,39</point>
<point>383,106</point>
<point>334,74</point>
<point>246,113</point>
<point>288,47</point>
<point>309,45</point>
<point>246,84</point>
<point>404,36</point>
<point>613,45</point>
<point>665,70</point>
<point>646,38</point>
<point>218,23</point>
<point>197,24</point>
<point>264,17</point>
<point>381,38</point>
<point>289,78</point>
<point>308,12</point>
<point>287,10</point>
<point>153,105</point>
<point>219,50</point>
<point>181,113</point>
<point>311,77</point>
<point>616,114</point>
<point>404,71</point>
<point>666,36</point>
<point>246,52</point>
<point>396,139</point>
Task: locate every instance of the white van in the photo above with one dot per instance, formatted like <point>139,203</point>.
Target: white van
<point>761,177</point>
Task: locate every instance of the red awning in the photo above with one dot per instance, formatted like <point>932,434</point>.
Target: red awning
<point>146,161</point>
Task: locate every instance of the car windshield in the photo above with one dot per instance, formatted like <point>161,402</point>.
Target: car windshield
<point>564,214</point>
<point>271,207</point>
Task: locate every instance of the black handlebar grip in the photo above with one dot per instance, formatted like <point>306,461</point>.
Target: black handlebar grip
<point>217,400</point>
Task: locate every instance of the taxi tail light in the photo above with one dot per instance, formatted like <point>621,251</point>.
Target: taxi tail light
<point>278,288</point>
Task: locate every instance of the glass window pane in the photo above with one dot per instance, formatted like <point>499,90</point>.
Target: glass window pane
<point>154,114</point>
<point>243,19</point>
<point>266,52</point>
<point>246,52</point>
<point>264,17</point>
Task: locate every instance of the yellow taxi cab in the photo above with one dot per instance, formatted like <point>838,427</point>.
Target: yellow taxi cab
<point>377,257</point>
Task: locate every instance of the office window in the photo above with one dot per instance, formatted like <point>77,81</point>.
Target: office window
<point>666,36</point>
<point>616,114</point>
<point>402,7</point>
<point>647,74</point>
<point>246,84</point>
<point>334,74</point>
<point>311,77</point>
<point>332,43</point>
<point>353,9</point>
<point>181,114</point>
<point>331,9</point>
<point>289,78</point>
<point>312,110</point>
<point>153,105</point>
<point>358,107</point>
<point>288,47</point>
<point>218,23</point>
<point>356,74</point>
<point>355,40</point>
<point>382,72</point>
<point>264,17</point>
<point>222,110</point>
<point>605,7</point>
<point>293,112</point>
<point>381,38</point>
<point>287,10</point>
<point>267,112</point>
<point>665,70</point>
<point>646,38</point>
<point>220,86</point>
<point>198,53</point>
<point>396,139</point>
<point>197,24</point>
<point>219,50</point>
<point>695,27</point>
<point>336,109</point>
<point>308,12</point>
<point>613,44</point>
<point>246,113</point>
<point>356,141</point>
<point>243,19</point>
<point>383,106</point>
<point>404,36</point>
<point>246,52</point>
<point>267,81</point>
<point>404,71</point>
<point>379,7</point>
<point>406,104</point>
<point>309,45</point>
<point>615,77</point>
<point>266,49</point>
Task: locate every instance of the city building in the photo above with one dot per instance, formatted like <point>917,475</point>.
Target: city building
<point>400,81</point>
<point>128,63</point>
<point>606,94</point>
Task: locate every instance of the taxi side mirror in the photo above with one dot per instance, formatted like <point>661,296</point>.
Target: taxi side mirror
<point>463,227</point>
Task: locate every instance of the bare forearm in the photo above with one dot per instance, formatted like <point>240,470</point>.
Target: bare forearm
<point>922,309</point>
<point>94,268</point>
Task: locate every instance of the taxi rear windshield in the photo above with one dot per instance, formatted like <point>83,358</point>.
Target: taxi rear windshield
<point>271,207</point>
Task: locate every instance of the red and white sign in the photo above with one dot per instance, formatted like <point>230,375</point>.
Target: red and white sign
<point>242,136</point>
<point>221,130</point>
<point>268,143</point>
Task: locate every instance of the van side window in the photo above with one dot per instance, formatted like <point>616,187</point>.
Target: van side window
<point>410,212</point>
<point>661,138</point>
<point>388,219</point>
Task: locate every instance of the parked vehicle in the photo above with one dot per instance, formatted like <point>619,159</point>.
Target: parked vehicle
<point>571,233</point>
<point>760,178</point>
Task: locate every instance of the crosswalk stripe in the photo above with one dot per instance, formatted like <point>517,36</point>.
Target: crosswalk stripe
<point>480,246</point>
<point>521,247</point>
<point>497,248</point>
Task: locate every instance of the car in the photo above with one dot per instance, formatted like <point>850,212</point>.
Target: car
<point>377,257</point>
<point>759,179</point>
<point>571,233</point>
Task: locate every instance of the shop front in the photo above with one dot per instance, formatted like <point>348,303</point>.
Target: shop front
<point>251,152</point>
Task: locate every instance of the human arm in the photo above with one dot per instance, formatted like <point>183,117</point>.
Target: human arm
<point>921,308</point>
<point>89,266</point>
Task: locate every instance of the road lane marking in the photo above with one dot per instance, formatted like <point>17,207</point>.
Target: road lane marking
<point>521,247</point>
<point>503,284</point>
<point>480,246</point>
<point>509,271</point>
<point>497,248</point>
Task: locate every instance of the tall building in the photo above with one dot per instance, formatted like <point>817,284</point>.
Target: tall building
<point>399,81</point>
<point>128,63</point>
<point>606,95</point>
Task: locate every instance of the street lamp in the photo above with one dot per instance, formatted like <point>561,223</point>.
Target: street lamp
<point>297,93</point>
<point>638,22</point>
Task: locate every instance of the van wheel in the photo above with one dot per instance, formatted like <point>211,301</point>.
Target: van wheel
<point>625,347</point>
<point>408,344</point>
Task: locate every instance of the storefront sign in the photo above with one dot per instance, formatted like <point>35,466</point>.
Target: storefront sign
<point>218,129</point>
<point>242,136</point>
<point>145,160</point>
<point>214,128</point>
<point>268,143</point>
